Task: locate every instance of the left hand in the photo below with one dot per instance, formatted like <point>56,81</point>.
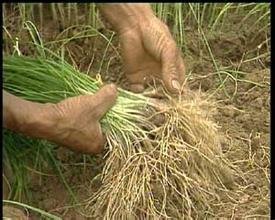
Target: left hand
<point>73,122</point>
<point>76,120</point>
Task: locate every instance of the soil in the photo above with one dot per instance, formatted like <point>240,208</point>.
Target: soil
<point>244,117</point>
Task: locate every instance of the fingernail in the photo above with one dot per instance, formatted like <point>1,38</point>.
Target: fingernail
<point>113,86</point>
<point>175,84</point>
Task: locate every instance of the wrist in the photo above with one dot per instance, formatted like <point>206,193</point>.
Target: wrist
<point>29,118</point>
<point>123,17</point>
<point>36,120</point>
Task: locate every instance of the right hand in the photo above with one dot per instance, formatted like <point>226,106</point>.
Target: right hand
<point>149,51</point>
<point>148,48</point>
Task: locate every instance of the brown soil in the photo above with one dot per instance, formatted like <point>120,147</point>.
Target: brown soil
<point>245,119</point>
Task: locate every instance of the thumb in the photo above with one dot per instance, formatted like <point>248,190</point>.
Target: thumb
<point>170,73</point>
<point>105,98</point>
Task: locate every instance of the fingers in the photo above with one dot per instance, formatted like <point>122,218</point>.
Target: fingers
<point>181,69</point>
<point>132,55</point>
<point>98,143</point>
<point>137,81</point>
<point>137,88</point>
<point>87,139</point>
<point>141,79</point>
<point>79,121</point>
<point>172,68</point>
<point>104,99</point>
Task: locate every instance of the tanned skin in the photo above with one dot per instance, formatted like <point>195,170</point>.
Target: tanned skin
<point>148,51</point>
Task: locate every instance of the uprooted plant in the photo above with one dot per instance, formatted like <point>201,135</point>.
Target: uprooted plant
<point>163,159</point>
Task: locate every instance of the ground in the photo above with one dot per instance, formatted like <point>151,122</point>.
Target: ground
<point>243,116</point>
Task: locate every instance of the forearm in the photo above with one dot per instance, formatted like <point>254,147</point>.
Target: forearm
<point>125,15</point>
<point>26,117</point>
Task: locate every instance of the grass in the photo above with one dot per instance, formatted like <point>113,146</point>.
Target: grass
<point>39,211</point>
<point>201,18</point>
<point>208,14</point>
<point>208,18</point>
<point>19,147</point>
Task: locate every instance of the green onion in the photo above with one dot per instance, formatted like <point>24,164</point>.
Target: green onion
<point>153,167</point>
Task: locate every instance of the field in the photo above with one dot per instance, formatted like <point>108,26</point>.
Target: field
<point>226,50</point>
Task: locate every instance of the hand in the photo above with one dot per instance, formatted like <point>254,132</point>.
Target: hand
<point>77,120</point>
<point>148,52</point>
<point>73,122</point>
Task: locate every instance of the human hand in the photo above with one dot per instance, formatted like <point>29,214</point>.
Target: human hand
<point>148,52</point>
<point>73,122</point>
<point>77,120</point>
<point>148,48</point>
